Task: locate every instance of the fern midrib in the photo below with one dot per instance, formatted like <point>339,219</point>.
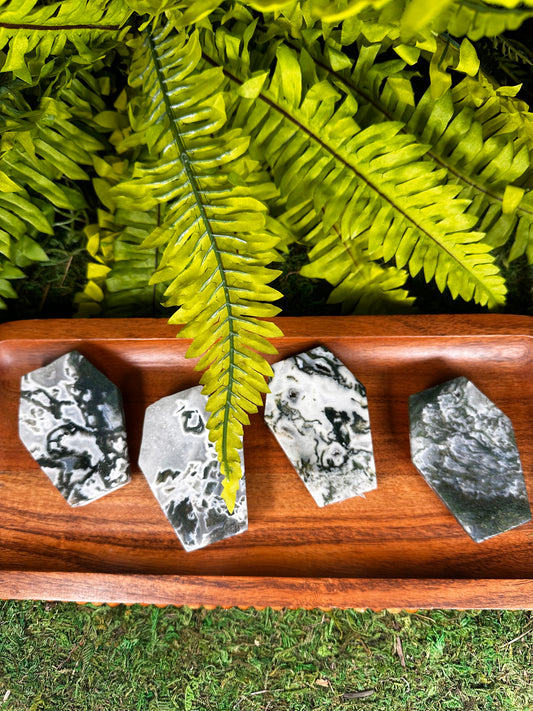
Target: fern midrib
<point>185,161</point>
<point>434,156</point>
<point>346,248</point>
<point>43,28</point>
<point>347,164</point>
<point>510,49</point>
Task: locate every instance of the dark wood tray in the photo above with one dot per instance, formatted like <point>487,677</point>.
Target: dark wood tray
<point>397,548</point>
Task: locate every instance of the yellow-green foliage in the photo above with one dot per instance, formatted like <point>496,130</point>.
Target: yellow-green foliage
<point>212,230</point>
<point>214,133</point>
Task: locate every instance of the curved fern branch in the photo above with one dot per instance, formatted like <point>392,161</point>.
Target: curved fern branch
<point>213,234</point>
<point>29,30</point>
<point>372,181</point>
<point>462,138</point>
<point>69,14</point>
<point>416,22</point>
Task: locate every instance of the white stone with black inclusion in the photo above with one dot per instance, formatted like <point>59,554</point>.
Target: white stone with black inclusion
<point>182,469</point>
<point>318,412</point>
<point>465,448</point>
<point>71,421</point>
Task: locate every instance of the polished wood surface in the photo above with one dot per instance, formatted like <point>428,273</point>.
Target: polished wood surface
<point>398,547</point>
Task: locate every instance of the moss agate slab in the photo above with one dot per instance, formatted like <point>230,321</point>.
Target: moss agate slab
<point>318,412</point>
<point>465,449</point>
<point>182,469</point>
<point>72,422</point>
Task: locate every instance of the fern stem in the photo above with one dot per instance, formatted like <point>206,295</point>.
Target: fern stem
<point>329,149</point>
<point>21,26</point>
<point>191,177</point>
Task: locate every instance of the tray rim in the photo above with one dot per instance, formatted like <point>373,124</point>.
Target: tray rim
<point>260,592</point>
<point>267,591</point>
<point>434,325</point>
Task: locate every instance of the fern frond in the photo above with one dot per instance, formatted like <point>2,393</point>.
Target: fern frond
<point>481,136</point>
<point>472,18</point>
<point>82,93</point>
<point>362,285</point>
<point>371,181</point>
<point>336,10</point>
<point>119,272</point>
<point>28,29</point>
<point>415,26</point>
<point>513,50</point>
<point>212,235</point>
<point>65,15</point>
<point>489,167</point>
<point>38,150</point>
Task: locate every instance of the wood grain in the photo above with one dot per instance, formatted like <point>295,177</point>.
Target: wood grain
<point>398,547</point>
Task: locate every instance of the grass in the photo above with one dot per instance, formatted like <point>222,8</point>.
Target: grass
<point>69,657</point>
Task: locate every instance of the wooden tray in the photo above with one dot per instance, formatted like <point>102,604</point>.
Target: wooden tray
<point>397,548</point>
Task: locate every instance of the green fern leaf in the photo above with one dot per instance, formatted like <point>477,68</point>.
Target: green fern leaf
<point>362,285</point>
<point>213,237</point>
<point>479,135</point>
<point>414,26</point>
<point>119,272</point>
<point>482,137</point>
<point>477,19</point>
<point>371,181</point>
<point>27,29</point>
<point>336,10</point>
<point>46,147</point>
<point>39,149</point>
<point>490,167</point>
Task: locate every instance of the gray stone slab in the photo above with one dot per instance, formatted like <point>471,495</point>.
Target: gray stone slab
<point>464,447</point>
<point>182,469</point>
<point>318,412</point>
<point>72,422</point>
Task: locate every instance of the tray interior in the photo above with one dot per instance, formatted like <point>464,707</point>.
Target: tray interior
<point>400,530</point>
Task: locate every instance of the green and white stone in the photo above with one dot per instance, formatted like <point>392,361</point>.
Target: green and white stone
<point>71,421</point>
<point>318,412</point>
<point>182,469</point>
<point>464,447</point>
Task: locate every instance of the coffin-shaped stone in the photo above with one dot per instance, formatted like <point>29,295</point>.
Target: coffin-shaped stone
<point>71,421</point>
<point>318,412</point>
<point>182,469</point>
<point>465,449</point>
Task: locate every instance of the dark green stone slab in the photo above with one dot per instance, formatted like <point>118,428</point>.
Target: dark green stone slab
<point>465,448</point>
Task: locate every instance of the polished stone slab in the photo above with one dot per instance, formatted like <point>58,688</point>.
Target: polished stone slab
<point>182,469</point>
<point>318,412</point>
<point>464,447</point>
<point>72,422</point>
